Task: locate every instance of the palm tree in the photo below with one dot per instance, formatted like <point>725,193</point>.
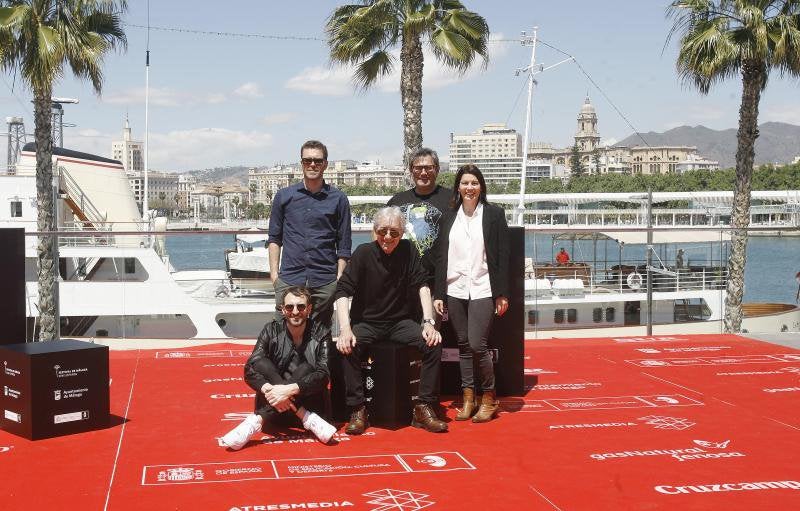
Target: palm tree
<point>362,34</point>
<point>40,37</point>
<point>720,39</point>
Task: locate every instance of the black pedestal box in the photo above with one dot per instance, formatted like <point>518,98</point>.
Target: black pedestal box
<point>53,388</point>
<point>391,382</point>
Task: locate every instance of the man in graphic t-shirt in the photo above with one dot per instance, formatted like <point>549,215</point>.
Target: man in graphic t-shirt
<point>423,205</point>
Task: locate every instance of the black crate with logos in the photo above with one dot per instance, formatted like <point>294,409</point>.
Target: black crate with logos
<point>54,388</point>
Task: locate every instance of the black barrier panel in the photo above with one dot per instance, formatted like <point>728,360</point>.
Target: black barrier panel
<point>12,299</point>
<point>391,380</point>
<point>53,388</point>
<point>507,338</point>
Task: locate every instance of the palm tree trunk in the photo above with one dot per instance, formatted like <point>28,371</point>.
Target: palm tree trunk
<point>412,61</point>
<point>46,218</point>
<point>752,83</point>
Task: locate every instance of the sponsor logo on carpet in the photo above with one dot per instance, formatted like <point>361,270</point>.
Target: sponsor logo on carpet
<point>793,370</point>
<point>220,380</point>
<point>232,396</point>
<point>5,448</point>
<point>293,505</point>
<point>656,421</point>
<point>202,354</point>
<point>628,340</point>
<point>305,468</point>
<point>784,389</point>
<point>742,359</point>
<point>704,450</point>
<point>539,370</point>
<point>682,350</point>
<point>607,403</point>
<point>9,371</point>
<point>567,386</point>
<point>664,422</point>
<point>222,365</point>
<point>724,487</point>
<point>12,393</point>
<point>397,500</point>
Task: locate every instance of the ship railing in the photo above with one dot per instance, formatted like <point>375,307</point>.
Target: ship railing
<point>86,208</point>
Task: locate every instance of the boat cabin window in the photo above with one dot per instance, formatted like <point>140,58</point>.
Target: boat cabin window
<point>597,314</point>
<point>610,313</point>
<point>572,315</point>
<point>130,265</point>
<point>16,209</point>
<point>558,316</point>
<point>533,317</point>
<point>691,309</point>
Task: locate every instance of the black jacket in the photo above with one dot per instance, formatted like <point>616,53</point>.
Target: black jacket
<point>275,343</point>
<point>495,241</point>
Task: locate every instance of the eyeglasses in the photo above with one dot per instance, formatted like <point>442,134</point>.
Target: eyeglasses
<point>299,307</point>
<point>394,233</point>
<point>423,168</point>
<point>309,161</point>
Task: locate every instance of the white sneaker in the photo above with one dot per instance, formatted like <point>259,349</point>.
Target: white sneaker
<point>319,426</point>
<point>236,438</point>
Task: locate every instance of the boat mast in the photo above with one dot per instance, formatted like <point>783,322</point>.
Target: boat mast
<point>145,205</point>
<point>526,41</point>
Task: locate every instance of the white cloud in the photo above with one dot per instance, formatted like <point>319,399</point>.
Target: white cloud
<point>163,97</point>
<point>322,81</point>
<point>186,149</point>
<point>249,90</point>
<point>278,118</point>
<point>338,81</point>
<point>206,147</point>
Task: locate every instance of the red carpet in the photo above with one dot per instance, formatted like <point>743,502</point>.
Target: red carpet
<point>701,422</point>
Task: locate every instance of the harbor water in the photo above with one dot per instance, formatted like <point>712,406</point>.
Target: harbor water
<point>772,262</point>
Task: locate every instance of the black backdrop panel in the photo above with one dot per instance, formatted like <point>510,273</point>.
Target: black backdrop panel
<point>12,274</point>
<point>507,336</point>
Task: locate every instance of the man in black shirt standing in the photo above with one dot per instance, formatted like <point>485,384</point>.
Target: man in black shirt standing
<point>381,276</point>
<point>423,205</point>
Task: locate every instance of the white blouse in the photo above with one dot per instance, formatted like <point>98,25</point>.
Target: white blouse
<point>467,271</point>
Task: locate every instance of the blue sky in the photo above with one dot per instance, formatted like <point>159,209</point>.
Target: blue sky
<point>227,100</point>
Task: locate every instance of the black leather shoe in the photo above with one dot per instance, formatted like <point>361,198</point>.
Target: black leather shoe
<point>358,421</point>
<point>425,418</point>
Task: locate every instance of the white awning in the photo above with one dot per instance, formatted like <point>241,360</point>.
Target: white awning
<point>676,235</point>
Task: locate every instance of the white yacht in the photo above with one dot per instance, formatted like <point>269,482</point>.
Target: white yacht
<point>119,283</point>
<point>609,298</point>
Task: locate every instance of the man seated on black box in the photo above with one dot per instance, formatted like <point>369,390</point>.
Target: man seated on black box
<point>288,369</point>
<point>382,278</point>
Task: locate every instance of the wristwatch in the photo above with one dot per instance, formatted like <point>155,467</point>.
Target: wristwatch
<point>430,321</point>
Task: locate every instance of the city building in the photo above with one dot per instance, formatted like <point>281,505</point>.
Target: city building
<point>264,182</point>
<point>162,189</point>
<point>128,151</point>
<point>496,149</point>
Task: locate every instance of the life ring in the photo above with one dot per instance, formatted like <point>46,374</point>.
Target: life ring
<point>634,280</point>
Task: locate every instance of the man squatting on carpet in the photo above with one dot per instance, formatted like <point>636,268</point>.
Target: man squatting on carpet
<point>288,369</point>
<point>382,278</point>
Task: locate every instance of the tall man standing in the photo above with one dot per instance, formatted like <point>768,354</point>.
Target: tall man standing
<point>310,224</point>
<point>423,205</point>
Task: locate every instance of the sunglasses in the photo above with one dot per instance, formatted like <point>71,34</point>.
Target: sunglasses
<point>421,168</point>
<point>394,233</point>
<point>299,307</point>
<point>309,161</point>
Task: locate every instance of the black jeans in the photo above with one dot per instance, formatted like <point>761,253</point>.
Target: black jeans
<point>315,402</point>
<point>405,331</point>
<point>472,321</point>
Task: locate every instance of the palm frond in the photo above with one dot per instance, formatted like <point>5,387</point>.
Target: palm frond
<point>380,64</point>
